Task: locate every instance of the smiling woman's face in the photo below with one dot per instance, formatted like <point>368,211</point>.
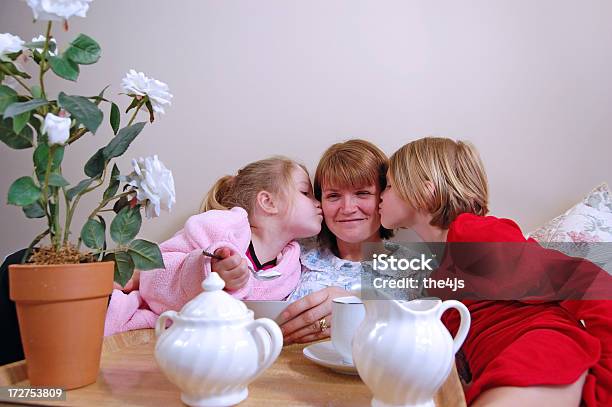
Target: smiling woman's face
<point>351,214</point>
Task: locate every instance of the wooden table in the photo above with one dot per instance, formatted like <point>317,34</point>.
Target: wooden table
<point>129,376</point>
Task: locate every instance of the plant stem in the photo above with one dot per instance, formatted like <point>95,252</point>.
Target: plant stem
<point>140,104</point>
<point>57,229</point>
<point>77,135</point>
<point>7,72</point>
<point>102,205</point>
<point>45,190</point>
<point>106,201</point>
<point>67,222</point>
<point>107,251</point>
<point>43,61</point>
<point>70,212</point>
<point>31,246</point>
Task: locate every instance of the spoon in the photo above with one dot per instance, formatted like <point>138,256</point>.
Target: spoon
<point>263,275</point>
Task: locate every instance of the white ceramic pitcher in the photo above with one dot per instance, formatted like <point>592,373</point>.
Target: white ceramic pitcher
<point>214,348</point>
<point>403,352</point>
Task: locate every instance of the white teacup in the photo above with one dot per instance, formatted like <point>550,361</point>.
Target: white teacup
<point>266,308</point>
<point>347,314</point>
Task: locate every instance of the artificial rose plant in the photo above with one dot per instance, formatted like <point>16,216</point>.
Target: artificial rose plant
<point>49,124</point>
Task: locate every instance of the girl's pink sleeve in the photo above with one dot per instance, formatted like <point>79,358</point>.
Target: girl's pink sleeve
<point>185,265</point>
<point>181,280</point>
<point>126,312</point>
<point>169,288</point>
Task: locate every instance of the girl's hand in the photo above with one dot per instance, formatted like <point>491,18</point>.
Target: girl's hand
<point>299,322</point>
<point>232,269</point>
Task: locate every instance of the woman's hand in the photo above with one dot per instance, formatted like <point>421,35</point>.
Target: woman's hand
<point>232,269</point>
<point>299,322</point>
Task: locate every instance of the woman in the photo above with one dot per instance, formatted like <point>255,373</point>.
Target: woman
<point>348,182</point>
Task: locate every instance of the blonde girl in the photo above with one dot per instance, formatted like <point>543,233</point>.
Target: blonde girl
<point>518,353</point>
<point>255,216</point>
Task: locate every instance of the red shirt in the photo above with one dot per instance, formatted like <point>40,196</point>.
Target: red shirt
<point>513,343</point>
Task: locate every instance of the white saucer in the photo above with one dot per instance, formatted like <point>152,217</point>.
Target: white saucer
<point>324,354</point>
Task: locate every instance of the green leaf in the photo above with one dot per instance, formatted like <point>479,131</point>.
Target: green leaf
<point>20,121</point>
<point>23,192</point>
<point>100,97</point>
<point>132,105</point>
<point>34,211</point>
<point>115,118</point>
<point>64,68</point>
<point>22,107</point>
<point>122,140</point>
<point>83,110</point>
<point>94,167</point>
<point>146,255</point>
<point>120,204</point>
<point>36,91</point>
<point>92,234</point>
<point>126,225</point>
<point>150,109</point>
<point>103,222</point>
<point>8,96</point>
<point>41,158</point>
<point>113,184</point>
<point>83,50</point>
<point>12,69</point>
<point>124,268</point>
<point>56,180</point>
<point>17,141</point>
<point>80,187</point>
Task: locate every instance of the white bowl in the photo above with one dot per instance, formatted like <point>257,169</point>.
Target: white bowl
<point>266,309</point>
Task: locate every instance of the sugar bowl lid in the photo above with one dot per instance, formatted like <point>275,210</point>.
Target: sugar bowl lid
<point>214,303</point>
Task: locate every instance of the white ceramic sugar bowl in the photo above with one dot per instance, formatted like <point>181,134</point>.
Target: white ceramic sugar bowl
<point>214,348</point>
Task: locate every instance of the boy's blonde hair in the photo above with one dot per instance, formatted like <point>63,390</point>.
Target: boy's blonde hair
<point>271,174</point>
<point>453,168</point>
<point>351,164</point>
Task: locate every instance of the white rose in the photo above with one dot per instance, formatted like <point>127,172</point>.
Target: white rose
<point>58,10</point>
<point>41,38</point>
<point>137,83</point>
<point>154,185</point>
<point>9,44</point>
<point>57,128</point>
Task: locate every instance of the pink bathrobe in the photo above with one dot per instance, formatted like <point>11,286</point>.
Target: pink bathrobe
<point>186,267</point>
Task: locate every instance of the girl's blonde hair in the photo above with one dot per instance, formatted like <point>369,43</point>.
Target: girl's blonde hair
<point>351,164</point>
<point>271,174</point>
<point>453,168</point>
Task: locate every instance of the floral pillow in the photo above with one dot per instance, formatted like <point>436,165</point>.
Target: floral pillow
<point>588,221</point>
<point>600,198</point>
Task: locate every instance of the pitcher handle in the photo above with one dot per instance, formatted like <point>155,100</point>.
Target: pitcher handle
<point>160,325</point>
<point>464,326</point>
<point>270,353</point>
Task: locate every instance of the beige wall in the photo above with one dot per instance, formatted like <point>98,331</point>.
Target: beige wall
<point>527,81</point>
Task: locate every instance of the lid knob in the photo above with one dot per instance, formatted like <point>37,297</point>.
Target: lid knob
<point>213,282</point>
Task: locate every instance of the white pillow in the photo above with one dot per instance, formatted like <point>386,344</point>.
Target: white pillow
<point>584,223</point>
<point>584,231</point>
<point>600,198</point>
<point>587,221</point>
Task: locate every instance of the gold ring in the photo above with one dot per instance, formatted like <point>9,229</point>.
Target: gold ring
<point>323,325</point>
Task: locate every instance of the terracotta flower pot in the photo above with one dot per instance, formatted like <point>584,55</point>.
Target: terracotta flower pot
<point>61,310</point>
